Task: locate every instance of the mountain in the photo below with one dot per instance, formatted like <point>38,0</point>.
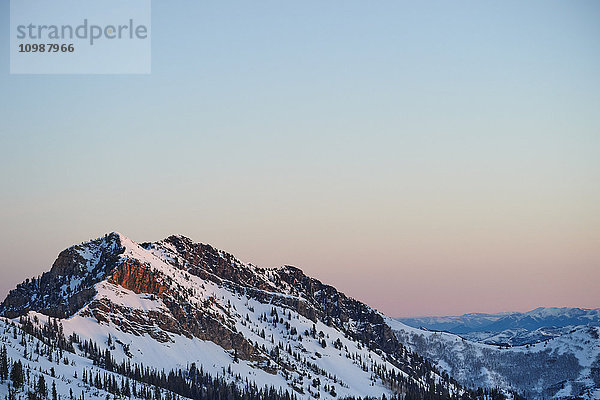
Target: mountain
<point>465,323</point>
<point>511,328</point>
<point>563,367</point>
<point>175,318</point>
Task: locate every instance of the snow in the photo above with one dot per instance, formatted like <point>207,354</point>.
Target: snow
<point>37,364</point>
<point>127,298</point>
<point>470,362</point>
<point>445,349</point>
<point>181,351</point>
<point>513,328</point>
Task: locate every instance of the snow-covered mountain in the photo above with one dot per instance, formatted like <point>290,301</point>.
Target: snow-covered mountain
<point>30,366</point>
<point>567,366</point>
<point>512,328</point>
<point>177,318</point>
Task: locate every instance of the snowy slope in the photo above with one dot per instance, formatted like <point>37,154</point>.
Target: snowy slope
<point>563,367</point>
<point>63,369</point>
<point>172,303</point>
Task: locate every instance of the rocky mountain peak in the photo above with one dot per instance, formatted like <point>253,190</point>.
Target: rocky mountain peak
<point>176,288</point>
<point>68,286</point>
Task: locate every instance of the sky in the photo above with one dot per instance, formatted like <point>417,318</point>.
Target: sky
<point>427,158</point>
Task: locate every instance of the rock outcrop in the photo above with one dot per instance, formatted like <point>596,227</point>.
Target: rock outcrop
<point>69,285</point>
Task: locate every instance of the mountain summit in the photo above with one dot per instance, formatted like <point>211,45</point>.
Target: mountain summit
<point>175,303</point>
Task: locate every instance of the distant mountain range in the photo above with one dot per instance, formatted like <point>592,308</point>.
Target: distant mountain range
<point>564,367</point>
<point>513,328</point>
<point>543,353</point>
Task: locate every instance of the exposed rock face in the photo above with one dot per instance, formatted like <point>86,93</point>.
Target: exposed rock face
<point>336,308</point>
<point>207,262</point>
<point>133,275</point>
<point>68,286</point>
<point>180,317</point>
<point>175,319</point>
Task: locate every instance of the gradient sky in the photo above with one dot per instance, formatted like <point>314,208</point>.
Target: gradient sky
<point>428,158</point>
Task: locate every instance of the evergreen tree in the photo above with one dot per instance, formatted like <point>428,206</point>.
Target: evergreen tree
<point>41,389</point>
<point>3,364</point>
<point>54,394</point>
<point>16,374</point>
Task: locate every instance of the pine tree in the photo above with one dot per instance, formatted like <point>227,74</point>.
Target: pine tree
<point>3,364</point>
<point>54,394</point>
<point>16,374</point>
<point>125,389</point>
<point>41,388</point>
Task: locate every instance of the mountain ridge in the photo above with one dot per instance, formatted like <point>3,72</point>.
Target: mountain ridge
<point>174,301</point>
<point>511,328</point>
<point>566,366</point>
